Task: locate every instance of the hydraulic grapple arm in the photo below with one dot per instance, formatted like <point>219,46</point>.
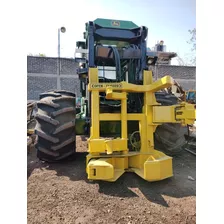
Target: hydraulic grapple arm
<point>183,113</point>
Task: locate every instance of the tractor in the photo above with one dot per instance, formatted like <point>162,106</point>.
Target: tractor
<point>133,126</point>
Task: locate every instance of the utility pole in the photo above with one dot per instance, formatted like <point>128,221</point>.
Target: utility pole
<point>63,30</point>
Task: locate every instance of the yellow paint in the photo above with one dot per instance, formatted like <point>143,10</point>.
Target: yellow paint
<point>162,83</point>
<point>30,131</point>
<point>162,114</point>
<point>109,159</point>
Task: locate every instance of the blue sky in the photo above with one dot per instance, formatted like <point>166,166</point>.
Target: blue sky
<point>166,20</point>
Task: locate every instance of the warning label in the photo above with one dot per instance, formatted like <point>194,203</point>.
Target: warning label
<point>101,85</point>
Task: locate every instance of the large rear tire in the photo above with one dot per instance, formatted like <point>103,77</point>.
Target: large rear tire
<point>169,137</point>
<point>55,127</point>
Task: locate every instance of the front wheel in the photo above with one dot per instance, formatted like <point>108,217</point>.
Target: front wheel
<point>55,127</point>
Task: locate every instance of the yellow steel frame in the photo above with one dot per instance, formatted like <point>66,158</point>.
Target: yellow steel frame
<point>109,159</point>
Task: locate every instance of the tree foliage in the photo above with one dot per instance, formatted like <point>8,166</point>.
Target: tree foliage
<point>192,42</point>
<point>42,55</point>
<point>37,55</point>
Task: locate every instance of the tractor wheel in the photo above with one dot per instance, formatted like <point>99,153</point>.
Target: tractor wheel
<point>169,137</point>
<point>55,127</point>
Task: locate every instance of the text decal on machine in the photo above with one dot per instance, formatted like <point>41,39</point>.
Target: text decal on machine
<point>115,23</point>
<point>113,85</point>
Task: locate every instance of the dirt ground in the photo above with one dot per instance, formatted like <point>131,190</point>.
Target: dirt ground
<point>61,193</point>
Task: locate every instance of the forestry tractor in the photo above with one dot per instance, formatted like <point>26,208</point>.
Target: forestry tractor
<point>133,125</point>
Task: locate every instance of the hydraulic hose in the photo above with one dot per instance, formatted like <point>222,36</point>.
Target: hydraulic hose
<point>117,62</point>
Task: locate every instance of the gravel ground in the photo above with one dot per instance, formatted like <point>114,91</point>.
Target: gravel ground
<point>61,193</point>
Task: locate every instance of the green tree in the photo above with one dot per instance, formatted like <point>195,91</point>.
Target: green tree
<point>38,55</point>
<point>42,55</point>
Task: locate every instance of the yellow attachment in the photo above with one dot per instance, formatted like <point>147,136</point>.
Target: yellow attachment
<point>157,169</point>
<point>109,159</point>
<point>107,146</point>
<point>157,166</point>
<point>100,169</point>
<point>115,96</point>
<point>162,83</point>
<point>186,113</point>
<point>153,167</point>
<point>164,114</point>
<point>109,169</point>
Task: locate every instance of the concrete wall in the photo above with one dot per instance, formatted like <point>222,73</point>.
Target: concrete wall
<point>185,75</point>
<point>42,75</point>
